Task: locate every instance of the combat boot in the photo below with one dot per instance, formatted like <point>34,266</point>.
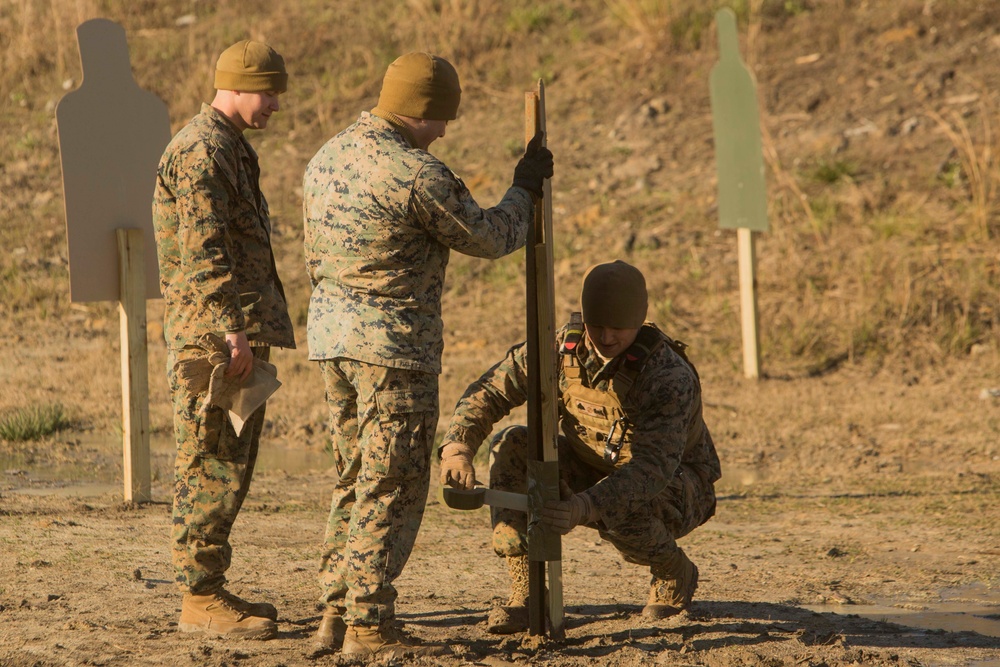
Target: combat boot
<point>261,609</point>
<point>215,614</point>
<point>331,629</point>
<point>672,587</point>
<point>374,642</point>
<point>512,617</point>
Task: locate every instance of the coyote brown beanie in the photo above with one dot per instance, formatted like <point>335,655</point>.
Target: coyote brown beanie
<point>251,67</point>
<point>420,85</point>
<point>614,295</point>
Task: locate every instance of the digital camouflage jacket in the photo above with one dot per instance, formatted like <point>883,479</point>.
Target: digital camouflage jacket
<point>662,420</point>
<point>213,238</point>
<point>381,217</point>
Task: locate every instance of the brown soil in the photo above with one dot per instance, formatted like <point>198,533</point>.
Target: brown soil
<point>854,489</point>
<point>854,475</point>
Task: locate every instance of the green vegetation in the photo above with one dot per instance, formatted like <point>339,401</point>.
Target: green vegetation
<point>533,18</point>
<point>833,171</point>
<point>33,423</point>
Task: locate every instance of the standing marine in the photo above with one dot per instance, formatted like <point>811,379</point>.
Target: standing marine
<point>382,215</point>
<point>224,310</point>
<point>636,460</point>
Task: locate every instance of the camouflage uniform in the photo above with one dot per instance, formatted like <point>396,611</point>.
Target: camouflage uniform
<point>661,487</point>
<point>218,276</point>
<point>381,218</point>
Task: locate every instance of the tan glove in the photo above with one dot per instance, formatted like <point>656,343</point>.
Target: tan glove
<point>565,515</point>
<point>456,466</point>
<point>240,395</point>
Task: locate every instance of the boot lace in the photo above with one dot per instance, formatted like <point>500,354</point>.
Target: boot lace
<point>227,600</point>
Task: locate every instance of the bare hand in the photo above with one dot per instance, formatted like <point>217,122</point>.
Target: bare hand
<point>240,355</point>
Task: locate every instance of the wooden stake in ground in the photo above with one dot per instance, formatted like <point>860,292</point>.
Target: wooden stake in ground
<point>135,366</point>
<point>111,136</point>
<point>739,160</point>
<point>544,544</point>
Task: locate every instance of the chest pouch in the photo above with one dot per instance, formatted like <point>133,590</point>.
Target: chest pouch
<point>596,427</point>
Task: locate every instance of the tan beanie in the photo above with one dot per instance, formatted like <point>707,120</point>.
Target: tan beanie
<point>251,67</point>
<point>614,295</point>
<point>420,85</point>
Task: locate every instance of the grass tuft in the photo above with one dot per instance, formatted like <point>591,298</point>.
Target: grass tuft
<point>832,171</point>
<point>33,423</point>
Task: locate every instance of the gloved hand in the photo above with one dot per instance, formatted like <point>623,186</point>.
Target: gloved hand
<point>534,167</point>
<point>456,466</point>
<point>565,515</point>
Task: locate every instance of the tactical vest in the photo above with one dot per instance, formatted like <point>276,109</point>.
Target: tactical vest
<point>594,421</point>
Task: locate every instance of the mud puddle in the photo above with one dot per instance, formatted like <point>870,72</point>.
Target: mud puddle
<point>102,471</point>
<point>967,609</point>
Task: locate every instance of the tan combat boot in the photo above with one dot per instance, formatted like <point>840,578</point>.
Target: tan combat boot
<point>261,609</point>
<point>331,629</point>
<point>512,617</point>
<point>373,642</point>
<point>215,614</point>
<point>672,587</point>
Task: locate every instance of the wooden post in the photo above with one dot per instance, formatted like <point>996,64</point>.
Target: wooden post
<point>746,250</point>
<point>135,378</point>
<point>544,545</point>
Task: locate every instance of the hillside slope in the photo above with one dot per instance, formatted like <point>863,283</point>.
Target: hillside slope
<point>879,125</point>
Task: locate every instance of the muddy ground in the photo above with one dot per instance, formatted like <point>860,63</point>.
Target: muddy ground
<point>870,496</point>
<point>857,519</point>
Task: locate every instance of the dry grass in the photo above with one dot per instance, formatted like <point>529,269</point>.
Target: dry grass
<point>977,157</point>
<point>858,262</point>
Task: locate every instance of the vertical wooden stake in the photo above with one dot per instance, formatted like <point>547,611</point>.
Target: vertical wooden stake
<point>748,301</point>
<point>135,366</point>
<point>544,545</point>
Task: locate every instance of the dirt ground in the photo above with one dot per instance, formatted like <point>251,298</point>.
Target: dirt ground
<point>858,514</point>
<point>847,491</point>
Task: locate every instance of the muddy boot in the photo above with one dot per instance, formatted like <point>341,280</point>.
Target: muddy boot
<point>672,587</point>
<point>331,629</point>
<point>512,617</point>
<point>373,642</point>
<point>215,614</point>
<point>261,609</point>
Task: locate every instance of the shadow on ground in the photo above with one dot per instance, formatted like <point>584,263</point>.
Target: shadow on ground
<point>593,631</point>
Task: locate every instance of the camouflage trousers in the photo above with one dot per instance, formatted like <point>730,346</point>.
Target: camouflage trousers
<point>383,422</point>
<point>648,536</point>
<point>212,474</point>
